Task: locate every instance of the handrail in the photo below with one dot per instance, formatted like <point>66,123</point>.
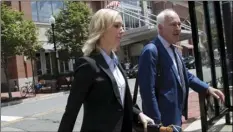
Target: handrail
<point>145,19</point>
<point>129,2</point>
<point>120,9</point>
<point>182,24</point>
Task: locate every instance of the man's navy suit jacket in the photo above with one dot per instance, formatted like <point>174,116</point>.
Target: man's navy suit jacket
<point>162,96</point>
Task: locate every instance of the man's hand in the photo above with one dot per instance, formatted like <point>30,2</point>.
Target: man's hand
<point>216,93</point>
<point>113,4</point>
<point>145,120</point>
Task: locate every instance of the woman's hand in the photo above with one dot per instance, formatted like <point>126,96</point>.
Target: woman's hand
<point>145,120</point>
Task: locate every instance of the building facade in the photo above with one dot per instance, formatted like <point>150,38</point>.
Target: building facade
<point>40,12</point>
<point>20,68</point>
<point>132,52</point>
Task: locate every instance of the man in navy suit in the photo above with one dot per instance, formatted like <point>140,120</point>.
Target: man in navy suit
<point>163,79</point>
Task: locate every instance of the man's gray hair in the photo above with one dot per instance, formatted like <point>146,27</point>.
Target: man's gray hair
<point>162,15</point>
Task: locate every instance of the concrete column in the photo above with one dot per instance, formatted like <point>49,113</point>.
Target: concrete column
<point>59,68</point>
<point>71,68</point>
<point>43,62</point>
<point>145,12</point>
<point>123,17</point>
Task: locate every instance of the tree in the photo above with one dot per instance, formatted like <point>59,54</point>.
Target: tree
<point>71,28</point>
<point>17,37</point>
<point>31,45</point>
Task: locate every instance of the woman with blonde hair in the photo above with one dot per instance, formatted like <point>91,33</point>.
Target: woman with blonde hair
<point>100,82</point>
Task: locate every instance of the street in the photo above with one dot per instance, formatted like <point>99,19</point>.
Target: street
<point>207,73</point>
<point>40,115</point>
<point>45,114</point>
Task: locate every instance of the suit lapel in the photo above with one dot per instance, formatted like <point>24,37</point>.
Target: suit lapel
<point>167,57</point>
<point>104,66</point>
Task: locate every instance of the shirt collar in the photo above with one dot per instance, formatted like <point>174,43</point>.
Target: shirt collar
<point>107,58</point>
<point>164,42</point>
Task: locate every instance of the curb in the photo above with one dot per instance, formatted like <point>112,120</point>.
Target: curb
<point>42,97</point>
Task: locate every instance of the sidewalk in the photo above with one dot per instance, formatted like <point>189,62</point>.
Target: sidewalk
<point>193,113</point>
<point>219,126</point>
<point>17,98</point>
<point>193,110</point>
<point>193,124</point>
<point>193,121</point>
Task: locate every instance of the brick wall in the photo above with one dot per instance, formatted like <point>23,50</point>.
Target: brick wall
<point>96,5</point>
<point>24,6</point>
<point>12,68</point>
<point>28,68</point>
<point>180,9</point>
<point>18,68</point>
<point>24,68</point>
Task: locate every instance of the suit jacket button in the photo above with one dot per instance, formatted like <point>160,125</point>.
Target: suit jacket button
<point>120,110</point>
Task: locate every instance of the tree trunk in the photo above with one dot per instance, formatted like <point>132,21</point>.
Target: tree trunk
<point>5,64</point>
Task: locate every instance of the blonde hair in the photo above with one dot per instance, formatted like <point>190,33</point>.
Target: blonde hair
<point>100,22</point>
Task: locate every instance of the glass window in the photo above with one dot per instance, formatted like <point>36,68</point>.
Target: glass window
<point>34,11</point>
<point>57,6</point>
<point>42,10</point>
<point>149,5</point>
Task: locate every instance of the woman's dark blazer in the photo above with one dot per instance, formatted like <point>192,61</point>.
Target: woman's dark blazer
<point>95,87</point>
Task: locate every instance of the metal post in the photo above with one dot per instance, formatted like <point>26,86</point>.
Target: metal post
<point>228,21</point>
<point>143,5</point>
<point>193,19</point>
<point>211,53</point>
<point>55,52</point>
<point>218,19</point>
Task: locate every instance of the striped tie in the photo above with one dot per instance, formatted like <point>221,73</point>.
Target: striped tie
<point>180,71</point>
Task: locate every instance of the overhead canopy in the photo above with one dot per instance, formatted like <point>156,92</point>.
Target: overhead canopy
<point>48,47</point>
<point>146,33</point>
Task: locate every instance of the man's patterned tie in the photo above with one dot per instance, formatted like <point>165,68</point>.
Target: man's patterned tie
<point>180,70</point>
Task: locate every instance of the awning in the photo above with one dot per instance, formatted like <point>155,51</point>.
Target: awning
<point>48,47</point>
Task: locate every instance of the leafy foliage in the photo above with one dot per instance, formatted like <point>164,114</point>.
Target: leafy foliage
<point>12,37</point>
<point>19,37</point>
<point>71,28</point>
<point>31,45</point>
